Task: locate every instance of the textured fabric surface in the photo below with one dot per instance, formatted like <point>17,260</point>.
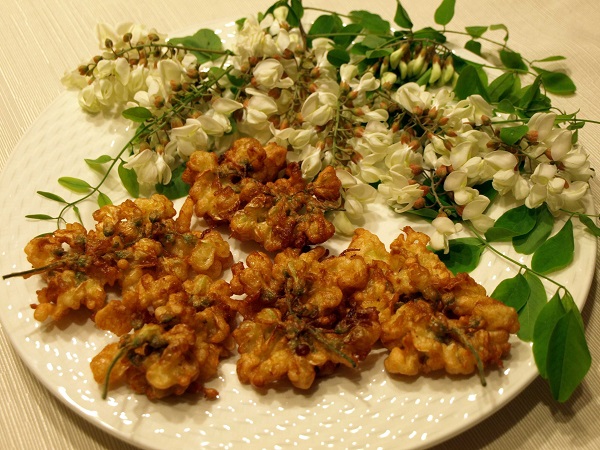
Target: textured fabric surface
<point>42,39</point>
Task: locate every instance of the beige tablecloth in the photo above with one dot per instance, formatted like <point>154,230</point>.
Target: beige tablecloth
<point>39,40</point>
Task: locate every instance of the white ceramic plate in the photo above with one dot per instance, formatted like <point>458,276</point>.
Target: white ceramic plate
<point>362,410</point>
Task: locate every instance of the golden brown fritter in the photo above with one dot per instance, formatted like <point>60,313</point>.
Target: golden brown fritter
<point>432,320</point>
<point>249,189</point>
<point>299,320</point>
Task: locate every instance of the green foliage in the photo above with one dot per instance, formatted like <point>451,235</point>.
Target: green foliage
<point>513,292</point>
<point>512,135</point>
<point>514,222</point>
<point>75,184</point>
<point>557,252</point>
<point>203,39</point>
<point>531,241</point>
<point>129,179</point>
<point>401,17</point>
<point>98,163</point>
<point>137,114</point>
<point>464,254</point>
<point>529,313</point>
<point>445,12</point>
<point>370,22</point>
<point>469,83</point>
<point>176,188</point>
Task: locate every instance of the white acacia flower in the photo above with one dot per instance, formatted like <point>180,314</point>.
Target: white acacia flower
<point>189,138</point>
<point>268,74</point>
<point>444,227</point>
<point>399,193</point>
<point>226,106</point>
<point>319,108</point>
<point>150,167</point>
<point>251,40</point>
<point>412,96</point>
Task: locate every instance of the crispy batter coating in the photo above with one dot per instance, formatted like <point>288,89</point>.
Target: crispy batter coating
<point>245,190</point>
<point>298,318</point>
<point>432,320</point>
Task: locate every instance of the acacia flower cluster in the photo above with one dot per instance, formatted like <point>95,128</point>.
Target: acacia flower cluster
<point>391,124</point>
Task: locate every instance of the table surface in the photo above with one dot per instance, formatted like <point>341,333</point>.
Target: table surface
<point>40,40</point>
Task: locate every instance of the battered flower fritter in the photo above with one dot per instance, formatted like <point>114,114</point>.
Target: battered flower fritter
<point>430,319</point>
<point>262,198</point>
<point>171,312</point>
<point>299,317</point>
<point>306,313</point>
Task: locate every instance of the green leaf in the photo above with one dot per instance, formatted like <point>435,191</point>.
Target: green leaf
<point>569,358</point>
<point>556,82</point>
<point>550,59</point>
<point>514,222</point>
<point>129,179</point>
<point>545,323</point>
<point>103,200</point>
<point>512,135</point>
<point>535,303</point>
<point>473,46</point>
<point>350,32</point>
<point>502,86</point>
<point>137,114</point>
<point>556,253</point>
<point>426,213</point>
<point>401,17</point>
<point>463,256</point>
<point>505,106</point>
<point>513,292</point>
<point>97,163</point>
<point>379,53</point>
<point>77,214</point>
<point>430,34</point>
<point>337,57</point>
<point>327,25</point>
<point>513,60</point>
<point>500,26</point>
<point>445,12</point>
<point>590,224</point>
<point>203,39</point>
<point>373,42</point>
<point>531,97</point>
<point>51,196</point>
<point>75,184</point>
<point>530,242</point>
<point>176,188</point>
<point>298,9</point>
<point>40,217</point>
<point>476,31</point>
<point>470,83</point>
<point>369,21</point>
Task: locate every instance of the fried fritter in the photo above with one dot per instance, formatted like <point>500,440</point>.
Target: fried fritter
<point>432,320</point>
<point>299,321</point>
<point>244,189</point>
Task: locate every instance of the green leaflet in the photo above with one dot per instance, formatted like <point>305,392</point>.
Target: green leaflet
<point>556,253</point>
<point>176,188</point>
<point>401,17</point>
<point>547,319</point>
<point>469,83</point>
<point>530,242</point>
<point>463,256</point>
<point>137,114</point>
<point>514,222</point>
<point>512,135</point>
<point>502,86</point>
<point>535,303</point>
<point>40,217</point>
<point>513,292</point>
<point>512,60</point>
<point>51,196</point>
<point>129,179</point>
<point>370,22</point>
<point>590,225</point>
<point>98,163</point>
<point>203,39</point>
<point>473,46</point>
<point>75,184</point>
<point>476,31</point>
<point>568,359</point>
<point>103,200</point>
<point>445,12</point>
<point>556,82</point>
<point>337,57</point>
